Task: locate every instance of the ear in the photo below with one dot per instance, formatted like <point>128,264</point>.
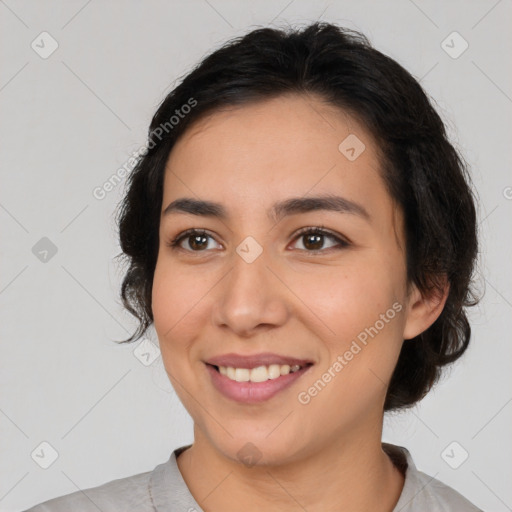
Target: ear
<point>424,309</point>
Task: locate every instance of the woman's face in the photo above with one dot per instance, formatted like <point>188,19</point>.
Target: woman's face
<point>251,284</point>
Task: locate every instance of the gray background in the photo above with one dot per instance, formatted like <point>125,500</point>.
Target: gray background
<point>70,120</point>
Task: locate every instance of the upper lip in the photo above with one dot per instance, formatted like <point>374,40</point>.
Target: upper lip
<point>255,360</point>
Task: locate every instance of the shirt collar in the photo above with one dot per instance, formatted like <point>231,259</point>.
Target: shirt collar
<point>402,459</point>
<point>168,490</point>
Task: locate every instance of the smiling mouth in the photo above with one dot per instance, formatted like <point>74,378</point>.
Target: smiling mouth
<point>261,373</point>
<point>257,384</point>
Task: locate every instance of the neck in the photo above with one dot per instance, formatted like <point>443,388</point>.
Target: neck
<point>350,473</point>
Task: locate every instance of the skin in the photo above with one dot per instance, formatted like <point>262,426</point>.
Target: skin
<point>207,301</point>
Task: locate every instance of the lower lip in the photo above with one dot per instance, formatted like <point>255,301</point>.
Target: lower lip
<point>253,392</point>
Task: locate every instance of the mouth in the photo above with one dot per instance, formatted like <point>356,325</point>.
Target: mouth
<point>254,379</point>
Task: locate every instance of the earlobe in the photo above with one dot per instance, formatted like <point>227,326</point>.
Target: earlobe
<point>424,308</point>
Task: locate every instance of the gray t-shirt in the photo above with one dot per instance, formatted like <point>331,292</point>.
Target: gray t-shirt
<point>164,490</point>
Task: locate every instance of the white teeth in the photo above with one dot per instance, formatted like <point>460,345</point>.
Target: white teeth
<point>242,374</point>
<point>274,371</point>
<point>258,374</point>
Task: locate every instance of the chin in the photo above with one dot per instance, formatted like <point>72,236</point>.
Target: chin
<point>260,449</point>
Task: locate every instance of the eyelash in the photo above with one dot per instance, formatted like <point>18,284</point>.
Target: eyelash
<point>174,243</point>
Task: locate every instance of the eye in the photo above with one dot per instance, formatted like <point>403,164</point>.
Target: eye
<point>313,237</point>
<point>197,240</point>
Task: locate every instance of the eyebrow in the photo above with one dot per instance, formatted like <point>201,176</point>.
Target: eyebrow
<point>291,206</point>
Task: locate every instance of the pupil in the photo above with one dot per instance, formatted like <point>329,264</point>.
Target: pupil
<point>317,244</point>
<point>195,239</point>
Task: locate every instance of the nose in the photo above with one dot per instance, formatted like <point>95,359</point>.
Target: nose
<point>251,298</point>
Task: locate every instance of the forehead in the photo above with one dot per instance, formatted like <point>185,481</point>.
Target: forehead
<point>259,153</point>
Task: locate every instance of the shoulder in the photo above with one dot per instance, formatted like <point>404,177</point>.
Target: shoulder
<point>161,489</point>
<point>130,493</point>
<point>436,495</point>
<point>423,492</point>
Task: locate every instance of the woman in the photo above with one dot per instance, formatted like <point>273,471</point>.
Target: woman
<point>302,235</point>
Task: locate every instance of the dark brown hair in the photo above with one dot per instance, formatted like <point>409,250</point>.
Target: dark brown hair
<point>423,172</point>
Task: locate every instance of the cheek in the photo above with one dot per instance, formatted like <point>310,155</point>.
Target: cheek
<point>347,300</point>
<point>360,325</point>
<point>175,301</point>
<point>176,296</point>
